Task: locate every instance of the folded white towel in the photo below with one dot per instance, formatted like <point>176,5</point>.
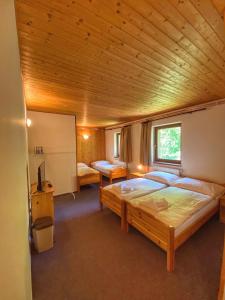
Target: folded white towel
<point>122,188</point>
<point>156,204</point>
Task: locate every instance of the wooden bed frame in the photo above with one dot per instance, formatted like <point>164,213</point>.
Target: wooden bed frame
<point>89,179</point>
<point>117,205</point>
<point>117,173</point>
<point>158,232</point>
<point>112,202</point>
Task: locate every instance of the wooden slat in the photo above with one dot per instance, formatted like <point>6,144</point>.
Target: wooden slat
<point>111,201</point>
<point>219,5</point>
<point>114,61</point>
<point>92,149</point>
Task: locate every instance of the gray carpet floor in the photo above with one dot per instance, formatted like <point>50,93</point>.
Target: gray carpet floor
<point>92,259</point>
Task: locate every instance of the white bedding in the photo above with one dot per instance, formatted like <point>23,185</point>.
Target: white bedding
<point>106,168</point>
<point>162,177</point>
<point>203,187</point>
<point>203,211</point>
<point>181,205</point>
<point>82,171</point>
<point>80,165</point>
<point>133,188</point>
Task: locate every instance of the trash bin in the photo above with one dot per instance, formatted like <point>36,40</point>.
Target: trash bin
<point>43,234</point>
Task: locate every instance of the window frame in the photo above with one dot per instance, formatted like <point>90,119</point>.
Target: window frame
<point>156,158</point>
<point>116,140</point>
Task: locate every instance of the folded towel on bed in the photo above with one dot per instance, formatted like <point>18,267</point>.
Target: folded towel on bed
<point>156,204</point>
<point>123,188</point>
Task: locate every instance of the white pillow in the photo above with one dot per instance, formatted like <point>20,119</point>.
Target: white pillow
<point>100,162</point>
<point>162,177</point>
<point>119,163</point>
<point>211,189</point>
<point>81,165</point>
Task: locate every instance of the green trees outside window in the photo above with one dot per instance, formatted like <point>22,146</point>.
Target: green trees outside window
<point>168,143</point>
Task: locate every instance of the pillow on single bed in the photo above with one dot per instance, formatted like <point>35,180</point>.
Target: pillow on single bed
<point>81,165</point>
<point>100,162</point>
<point>163,177</point>
<point>207,188</point>
<point>119,163</point>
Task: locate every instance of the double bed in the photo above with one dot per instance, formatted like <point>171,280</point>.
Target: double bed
<point>112,171</point>
<point>87,175</point>
<point>116,195</point>
<point>170,215</point>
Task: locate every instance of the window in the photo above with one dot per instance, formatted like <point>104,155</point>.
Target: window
<point>116,144</point>
<point>167,143</point>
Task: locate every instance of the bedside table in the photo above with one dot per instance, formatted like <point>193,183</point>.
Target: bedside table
<point>136,175</point>
<point>222,209</point>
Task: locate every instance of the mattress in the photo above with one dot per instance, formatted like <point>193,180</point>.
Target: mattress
<point>82,171</point>
<point>174,206</point>
<point>195,217</point>
<point>133,188</point>
<point>107,168</point>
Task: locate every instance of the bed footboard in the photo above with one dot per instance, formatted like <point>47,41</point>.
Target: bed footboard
<point>88,179</point>
<point>111,201</point>
<point>155,230</point>
<point>117,173</point>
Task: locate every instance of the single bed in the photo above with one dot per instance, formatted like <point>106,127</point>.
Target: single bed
<point>112,171</point>
<point>114,196</point>
<point>87,175</point>
<point>170,216</point>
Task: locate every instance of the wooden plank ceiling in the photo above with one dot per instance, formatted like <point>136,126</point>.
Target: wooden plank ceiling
<point>111,61</point>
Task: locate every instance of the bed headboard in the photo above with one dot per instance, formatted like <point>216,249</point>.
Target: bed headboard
<point>169,169</point>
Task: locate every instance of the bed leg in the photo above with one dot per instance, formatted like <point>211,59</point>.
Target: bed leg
<point>124,226</point>
<point>100,182</point>
<point>171,251</point>
<point>124,223</point>
<point>100,198</point>
<point>110,179</point>
<point>170,260</point>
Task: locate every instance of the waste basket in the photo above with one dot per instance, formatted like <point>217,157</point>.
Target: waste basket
<point>43,234</point>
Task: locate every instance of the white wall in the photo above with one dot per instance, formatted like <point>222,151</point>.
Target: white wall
<point>15,270</point>
<point>56,133</point>
<point>203,143</point>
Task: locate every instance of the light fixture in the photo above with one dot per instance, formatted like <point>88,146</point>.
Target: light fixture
<point>29,122</point>
<point>85,136</point>
<point>140,167</point>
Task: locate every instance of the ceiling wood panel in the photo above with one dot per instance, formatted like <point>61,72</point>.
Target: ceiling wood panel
<point>111,61</point>
<point>220,6</point>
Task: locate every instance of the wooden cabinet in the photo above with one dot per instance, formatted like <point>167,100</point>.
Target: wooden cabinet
<point>42,204</point>
<point>136,175</point>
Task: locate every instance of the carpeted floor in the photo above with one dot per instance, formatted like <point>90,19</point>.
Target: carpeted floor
<point>92,259</point>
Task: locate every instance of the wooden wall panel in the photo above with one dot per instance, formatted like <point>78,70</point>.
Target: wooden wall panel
<point>93,148</point>
<point>220,6</point>
<point>112,61</point>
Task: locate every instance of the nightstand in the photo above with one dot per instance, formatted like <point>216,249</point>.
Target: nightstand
<point>136,175</point>
<point>222,209</point>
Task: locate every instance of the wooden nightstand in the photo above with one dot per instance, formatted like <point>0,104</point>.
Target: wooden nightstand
<point>136,175</point>
<point>42,203</point>
<point>222,209</point>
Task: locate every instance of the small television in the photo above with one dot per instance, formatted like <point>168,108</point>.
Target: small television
<point>41,177</point>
